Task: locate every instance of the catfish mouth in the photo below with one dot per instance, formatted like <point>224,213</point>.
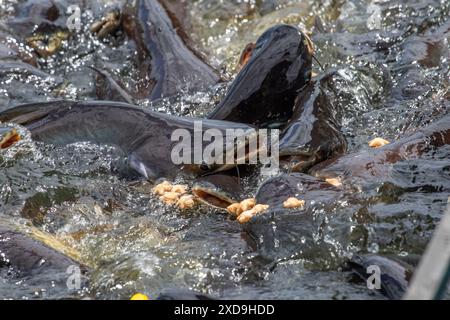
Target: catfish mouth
<point>212,198</point>
<point>242,153</point>
<point>299,162</point>
<point>8,137</point>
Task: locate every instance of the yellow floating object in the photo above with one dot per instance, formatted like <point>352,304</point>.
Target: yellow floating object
<point>139,296</point>
<point>186,202</point>
<point>234,209</point>
<point>334,181</point>
<point>293,203</point>
<point>162,188</point>
<point>246,216</point>
<point>248,204</point>
<point>179,188</point>
<point>378,142</point>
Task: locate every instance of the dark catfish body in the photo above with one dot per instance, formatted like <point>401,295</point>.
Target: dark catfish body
<point>264,91</point>
<point>313,133</point>
<point>295,184</point>
<point>375,163</point>
<point>29,257</point>
<point>144,136</point>
<point>167,62</point>
<point>280,232</point>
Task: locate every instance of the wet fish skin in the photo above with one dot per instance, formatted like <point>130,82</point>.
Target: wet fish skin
<point>265,89</point>
<point>218,186</point>
<point>281,233</point>
<point>166,61</point>
<point>294,184</point>
<point>30,257</point>
<point>144,136</point>
<point>313,133</point>
<point>375,163</point>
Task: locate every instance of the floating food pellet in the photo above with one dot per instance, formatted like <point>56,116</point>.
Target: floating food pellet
<point>178,188</point>
<point>293,203</point>
<point>247,204</point>
<point>162,188</point>
<point>174,195</point>
<point>334,181</point>
<point>259,208</point>
<point>9,138</point>
<point>186,202</point>
<point>170,198</point>
<point>234,209</point>
<point>139,296</point>
<point>237,208</point>
<point>246,216</point>
<point>378,142</point>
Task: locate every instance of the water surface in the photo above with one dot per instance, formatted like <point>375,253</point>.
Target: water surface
<point>393,58</point>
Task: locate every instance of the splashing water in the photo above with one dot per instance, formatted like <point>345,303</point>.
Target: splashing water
<point>393,63</point>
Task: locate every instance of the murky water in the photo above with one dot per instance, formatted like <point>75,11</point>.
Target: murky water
<point>393,58</point>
